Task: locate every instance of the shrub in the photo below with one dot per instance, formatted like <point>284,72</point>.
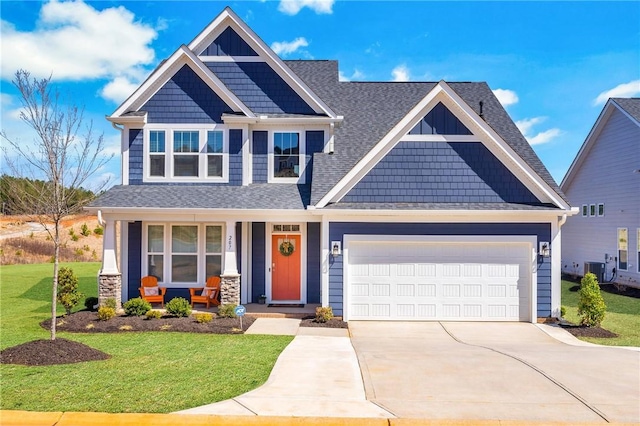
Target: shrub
<point>86,247</point>
<point>227,311</point>
<point>71,232</point>
<point>74,237</point>
<point>563,311</point>
<point>105,313</point>
<point>323,313</point>
<point>90,303</point>
<point>98,230</point>
<point>178,307</point>
<point>84,230</point>
<point>68,294</point>
<point>136,307</point>
<point>591,307</point>
<point>110,303</point>
<point>204,317</point>
<point>154,314</point>
<point>79,252</point>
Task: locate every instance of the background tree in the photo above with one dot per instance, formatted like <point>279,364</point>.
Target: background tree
<point>64,154</point>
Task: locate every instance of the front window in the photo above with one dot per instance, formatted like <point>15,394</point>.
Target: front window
<point>156,153</point>
<point>185,153</point>
<point>155,251</point>
<point>286,155</point>
<point>184,253</point>
<point>213,251</point>
<point>623,239</point>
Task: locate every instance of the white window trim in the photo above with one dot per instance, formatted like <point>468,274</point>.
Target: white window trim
<point>585,210</point>
<point>598,210</point>
<point>169,153</point>
<point>168,253</point>
<point>592,210</point>
<point>618,249</point>
<point>301,156</point>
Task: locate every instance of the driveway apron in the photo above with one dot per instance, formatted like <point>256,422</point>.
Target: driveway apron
<point>493,371</point>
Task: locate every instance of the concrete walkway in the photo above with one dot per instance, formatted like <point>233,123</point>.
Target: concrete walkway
<point>316,375</point>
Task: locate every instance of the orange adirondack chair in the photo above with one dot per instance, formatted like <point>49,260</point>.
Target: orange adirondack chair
<point>150,291</point>
<point>207,295</point>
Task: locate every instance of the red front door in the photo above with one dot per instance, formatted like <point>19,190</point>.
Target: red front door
<point>285,268</point>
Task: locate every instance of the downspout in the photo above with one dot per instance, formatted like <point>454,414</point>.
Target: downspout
<point>562,221</point>
<point>331,138</point>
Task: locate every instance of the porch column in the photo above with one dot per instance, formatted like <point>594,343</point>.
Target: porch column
<point>230,278</point>
<point>109,277</point>
<point>324,281</point>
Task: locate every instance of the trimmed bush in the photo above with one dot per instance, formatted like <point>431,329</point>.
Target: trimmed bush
<point>136,307</point>
<point>203,317</point>
<point>68,294</point>
<point>563,311</point>
<point>154,314</point>
<point>110,303</point>
<point>591,306</point>
<point>227,311</point>
<point>323,313</point>
<point>178,307</point>
<point>90,303</point>
<point>105,313</point>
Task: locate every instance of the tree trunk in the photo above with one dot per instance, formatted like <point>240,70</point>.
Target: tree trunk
<point>54,298</point>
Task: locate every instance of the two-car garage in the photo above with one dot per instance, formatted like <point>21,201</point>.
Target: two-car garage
<point>455,278</point>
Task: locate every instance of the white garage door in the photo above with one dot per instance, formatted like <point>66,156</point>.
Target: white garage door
<point>438,280</point>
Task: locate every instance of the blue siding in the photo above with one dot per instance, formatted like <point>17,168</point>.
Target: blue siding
<point>260,143</point>
<point>260,88</point>
<point>541,230</point>
<point>135,156</point>
<point>315,143</point>
<point>436,172</point>
<point>229,43</point>
<point>185,99</point>
<point>440,121</point>
<point>313,262</point>
<point>258,260</point>
<point>134,258</point>
<point>235,157</point>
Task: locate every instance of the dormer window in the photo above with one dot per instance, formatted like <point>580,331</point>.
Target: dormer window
<point>185,153</point>
<point>286,159</point>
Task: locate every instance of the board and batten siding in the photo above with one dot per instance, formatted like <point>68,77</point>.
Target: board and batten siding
<point>607,175</point>
<point>542,231</point>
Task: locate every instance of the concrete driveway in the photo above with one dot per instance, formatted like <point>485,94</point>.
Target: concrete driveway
<point>493,371</point>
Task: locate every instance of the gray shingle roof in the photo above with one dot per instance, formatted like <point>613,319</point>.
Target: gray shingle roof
<point>255,197</point>
<point>371,110</point>
<point>438,206</point>
<point>630,105</point>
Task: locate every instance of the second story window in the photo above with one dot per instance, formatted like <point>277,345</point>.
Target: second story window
<point>156,153</point>
<point>215,151</point>
<point>185,153</point>
<point>285,152</point>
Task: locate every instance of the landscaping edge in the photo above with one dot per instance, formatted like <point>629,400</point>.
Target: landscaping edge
<point>29,418</point>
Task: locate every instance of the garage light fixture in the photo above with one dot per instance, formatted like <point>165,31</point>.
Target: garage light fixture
<point>336,248</point>
<point>543,249</point>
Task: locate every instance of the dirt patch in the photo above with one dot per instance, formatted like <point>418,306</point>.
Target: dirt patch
<point>51,352</point>
<point>88,322</point>
<point>584,331</point>
<point>332,323</point>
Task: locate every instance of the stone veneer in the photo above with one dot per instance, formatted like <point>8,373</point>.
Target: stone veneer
<point>230,289</point>
<point>110,286</point>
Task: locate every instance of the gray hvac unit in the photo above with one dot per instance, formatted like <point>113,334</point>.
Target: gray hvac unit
<point>596,268</point>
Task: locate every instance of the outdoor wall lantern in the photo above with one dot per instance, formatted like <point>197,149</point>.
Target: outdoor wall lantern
<point>543,249</point>
<point>336,248</point>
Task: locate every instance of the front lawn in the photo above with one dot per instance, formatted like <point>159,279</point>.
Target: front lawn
<point>622,317</point>
<point>155,372</point>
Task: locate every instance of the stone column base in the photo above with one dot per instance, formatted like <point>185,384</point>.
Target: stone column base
<point>110,287</point>
<point>230,289</point>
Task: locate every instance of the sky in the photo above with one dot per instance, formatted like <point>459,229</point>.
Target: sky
<point>553,65</point>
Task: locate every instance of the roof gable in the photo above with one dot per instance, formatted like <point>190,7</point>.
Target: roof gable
<point>229,43</point>
<point>470,120</point>
<point>628,107</point>
<point>440,121</point>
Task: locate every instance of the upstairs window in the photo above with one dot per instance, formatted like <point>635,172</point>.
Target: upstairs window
<point>186,146</point>
<point>215,149</point>
<point>286,156</point>
<point>156,153</point>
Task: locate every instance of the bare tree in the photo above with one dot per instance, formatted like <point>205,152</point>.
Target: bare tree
<point>64,155</point>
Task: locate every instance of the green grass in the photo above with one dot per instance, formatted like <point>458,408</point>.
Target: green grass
<point>622,316</point>
<point>148,372</point>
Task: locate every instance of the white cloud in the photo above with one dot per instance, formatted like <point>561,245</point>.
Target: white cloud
<point>506,97</point>
<point>119,89</point>
<point>287,47</point>
<point>357,75</point>
<point>292,7</point>
<point>74,41</point>
<point>624,90</point>
<point>400,73</point>
<point>526,126</point>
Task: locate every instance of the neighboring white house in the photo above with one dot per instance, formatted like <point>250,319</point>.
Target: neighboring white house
<point>604,182</point>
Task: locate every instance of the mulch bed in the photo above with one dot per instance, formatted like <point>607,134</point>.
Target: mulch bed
<point>332,323</point>
<point>584,331</point>
<point>51,352</point>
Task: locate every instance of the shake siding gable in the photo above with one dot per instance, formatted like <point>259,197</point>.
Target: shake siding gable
<point>229,43</point>
<point>437,172</point>
<point>440,121</point>
<point>185,98</point>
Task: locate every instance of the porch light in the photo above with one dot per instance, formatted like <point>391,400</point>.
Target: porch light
<point>543,249</point>
<point>335,248</point>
